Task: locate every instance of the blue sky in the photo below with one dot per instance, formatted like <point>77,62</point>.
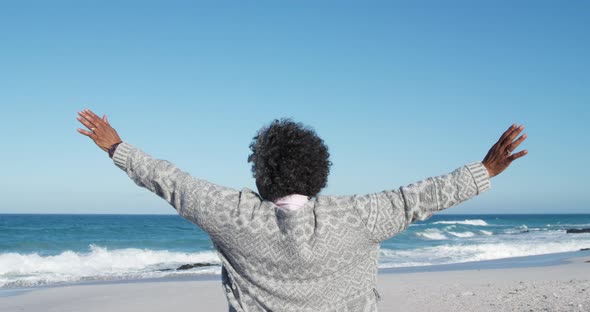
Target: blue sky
<point>398,90</point>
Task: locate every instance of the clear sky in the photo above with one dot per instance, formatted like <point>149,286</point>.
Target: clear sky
<point>399,91</point>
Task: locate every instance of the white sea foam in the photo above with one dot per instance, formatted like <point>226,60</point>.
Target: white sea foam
<point>477,222</point>
<point>18,270</point>
<point>434,234</point>
<point>462,234</point>
<point>484,232</point>
<point>446,254</point>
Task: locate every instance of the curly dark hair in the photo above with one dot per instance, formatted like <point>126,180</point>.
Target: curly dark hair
<point>289,158</point>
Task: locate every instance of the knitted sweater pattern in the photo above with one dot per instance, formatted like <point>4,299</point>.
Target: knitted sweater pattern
<point>321,257</point>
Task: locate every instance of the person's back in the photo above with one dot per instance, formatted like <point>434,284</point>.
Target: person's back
<point>302,260</point>
<point>321,256</point>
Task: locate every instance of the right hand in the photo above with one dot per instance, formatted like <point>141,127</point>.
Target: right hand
<point>500,155</point>
<point>100,132</point>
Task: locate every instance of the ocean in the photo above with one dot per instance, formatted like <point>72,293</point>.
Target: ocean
<point>45,250</point>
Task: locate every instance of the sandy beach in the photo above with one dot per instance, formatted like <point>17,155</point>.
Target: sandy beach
<point>562,286</point>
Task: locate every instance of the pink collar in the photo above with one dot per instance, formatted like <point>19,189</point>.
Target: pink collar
<point>291,202</point>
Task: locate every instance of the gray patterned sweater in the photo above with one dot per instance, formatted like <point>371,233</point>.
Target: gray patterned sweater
<point>322,257</point>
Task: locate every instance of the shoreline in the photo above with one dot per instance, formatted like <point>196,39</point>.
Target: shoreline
<point>554,282</point>
<point>495,264</point>
<point>552,259</point>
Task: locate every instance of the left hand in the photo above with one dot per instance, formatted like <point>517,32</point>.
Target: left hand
<point>100,132</point>
<point>501,154</point>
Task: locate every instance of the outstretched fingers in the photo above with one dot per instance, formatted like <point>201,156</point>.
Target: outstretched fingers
<point>514,145</point>
<point>91,117</point>
<point>506,133</point>
<point>500,156</point>
<point>82,119</point>
<point>517,155</point>
<point>86,133</point>
<point>511,136</point>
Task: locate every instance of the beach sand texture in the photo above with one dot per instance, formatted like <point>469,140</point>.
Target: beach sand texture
<point>561,287</point>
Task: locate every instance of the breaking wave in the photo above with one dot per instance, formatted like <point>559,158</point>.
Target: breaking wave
<point>432,234</point>
<point>477,222</point>
<point>447,254</point>
<point>22,270</point>
<point>462,234</point>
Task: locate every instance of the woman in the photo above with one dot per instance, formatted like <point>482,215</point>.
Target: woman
<point>286,248</point>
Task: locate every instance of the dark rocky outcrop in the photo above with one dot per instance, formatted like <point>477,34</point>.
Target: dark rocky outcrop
<point>577,231</point>
<point>193,265</point>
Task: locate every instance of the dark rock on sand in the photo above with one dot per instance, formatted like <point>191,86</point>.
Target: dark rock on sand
<point>193,265</point>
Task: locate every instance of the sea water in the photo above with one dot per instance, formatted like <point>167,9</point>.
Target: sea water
<point>37,250</point>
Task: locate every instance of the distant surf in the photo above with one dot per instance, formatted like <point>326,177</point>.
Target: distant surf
<point>478,222</point>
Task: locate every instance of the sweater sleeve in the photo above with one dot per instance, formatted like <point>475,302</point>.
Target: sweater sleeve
<point>196,200</point>
<point>389,212</point>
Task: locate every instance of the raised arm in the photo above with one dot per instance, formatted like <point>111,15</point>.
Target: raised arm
<point>194,199</point>
<point>389,212</point>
